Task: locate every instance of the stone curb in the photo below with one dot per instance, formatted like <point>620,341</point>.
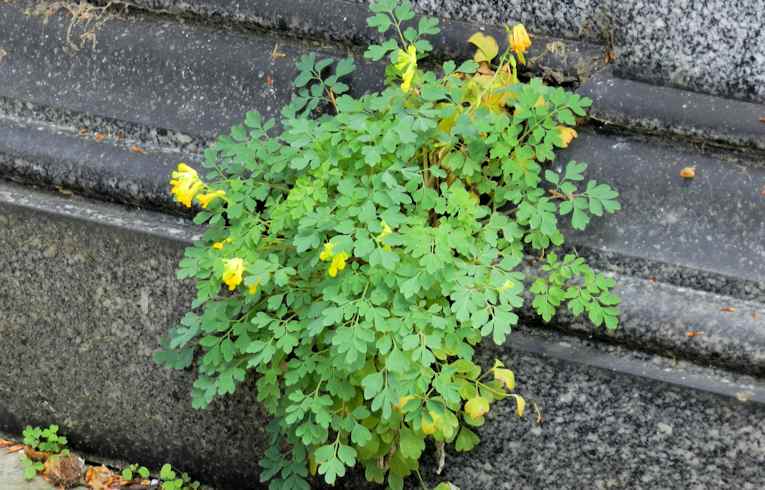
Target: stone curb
<point>571,60</point>
<point>704,118</point>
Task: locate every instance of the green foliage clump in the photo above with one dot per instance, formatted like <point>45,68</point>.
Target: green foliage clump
<point>44,440</point>
<point>355,260</point>
<point>171,480</point>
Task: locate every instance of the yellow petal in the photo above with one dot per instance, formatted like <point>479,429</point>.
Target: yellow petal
<point>206,199</point>
<point>519,41</point>
<point>487,47</point>
<point>232,272</point>
<point>217,245</point>
<point>326,253</point>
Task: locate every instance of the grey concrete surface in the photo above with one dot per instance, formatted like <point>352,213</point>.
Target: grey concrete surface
<point>705,119</point>
<point>713,46</point>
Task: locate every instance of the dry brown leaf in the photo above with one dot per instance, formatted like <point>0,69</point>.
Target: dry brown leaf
<point>16,448</point>
<point>694,333</point>
<point>100,137</point>
<point>64,471</point>
<point>727,309</point>
<point>276,54</point>
<point>688,172</point>
<point>762,119</point>
<point>35,455</point>
<point>102,478</point>
<point>6,443</point>
<point>83,131</point>
<point>137,149</point>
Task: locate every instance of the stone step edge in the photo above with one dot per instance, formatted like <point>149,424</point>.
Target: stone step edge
<point>562,59</point>
<point>701,118</point>
<point>655,317</point>
<point>110,171</point>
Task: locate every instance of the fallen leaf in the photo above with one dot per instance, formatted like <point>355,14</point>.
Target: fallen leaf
<point>102,478</point>
<point>652,279</point>
<point>16,448</point>
<point>6,443</point>
<point>694,333</point>
<point>64,471</point>
<point>35,455</point>
<point>744,396</point>
<point>762,119</point>
<point>137,149</point>
<point>100,137</point>
<point>83,131</point>
<point>276,54</point>
<point>727,309</point>
<point>688,172</point>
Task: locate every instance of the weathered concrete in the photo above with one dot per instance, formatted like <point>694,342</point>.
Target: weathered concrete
<point>711,223</point>
<point>713,46</point>
<point>662,110</point>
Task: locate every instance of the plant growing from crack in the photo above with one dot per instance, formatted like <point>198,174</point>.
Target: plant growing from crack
<point>355,260</point>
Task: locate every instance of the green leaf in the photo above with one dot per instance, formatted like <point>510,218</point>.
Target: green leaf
<point>411,444</point>
<point>372,385</point>
<point>466,440</point>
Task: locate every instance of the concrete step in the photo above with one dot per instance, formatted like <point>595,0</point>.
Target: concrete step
<point>90,240</point>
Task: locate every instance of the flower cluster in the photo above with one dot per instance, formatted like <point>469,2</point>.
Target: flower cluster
<point>186,185</point>
<point>338,260</point>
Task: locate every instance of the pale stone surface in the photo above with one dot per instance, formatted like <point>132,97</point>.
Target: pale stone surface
<point>12,475</point>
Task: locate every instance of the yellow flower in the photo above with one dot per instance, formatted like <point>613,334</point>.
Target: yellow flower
<point>232,272</point>
<point>519,41</point>
<point>477,407</point>
<point>253,288</point>
<point>185,184</point>
<point>220,245</point>
<point>566,134</point>
<point>338,264</point>
<point>326,254</point>
<point>206,199</point>
<point>506,376</point>
<point>406,64</point>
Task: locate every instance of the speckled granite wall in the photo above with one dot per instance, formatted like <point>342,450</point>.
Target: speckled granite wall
<point>715,46</point>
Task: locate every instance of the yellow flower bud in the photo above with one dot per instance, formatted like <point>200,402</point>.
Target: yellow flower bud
<point>206,199</point>
<point>232,272</point>
<point>566,134</point>
<point>338,264</point>
<point>477,407</point>
<point>253,288</point>
<point>326,254</point>
<point>506,376</point>
<point>519,41</point>
<point>217,245</point>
